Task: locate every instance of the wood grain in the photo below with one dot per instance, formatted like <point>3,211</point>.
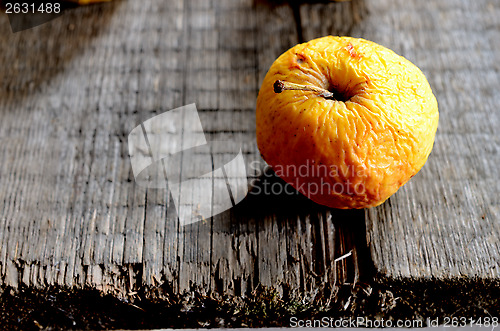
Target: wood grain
<point>71,213</point>
<point>444,222</point>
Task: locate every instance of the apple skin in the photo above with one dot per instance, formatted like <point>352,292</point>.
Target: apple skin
<point>358,148</point>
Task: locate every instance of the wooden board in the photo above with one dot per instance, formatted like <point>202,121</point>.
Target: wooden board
<point>445,222</point>
<point>71,213</point>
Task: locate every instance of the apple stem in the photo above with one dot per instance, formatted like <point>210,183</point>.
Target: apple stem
<point>280,86</point>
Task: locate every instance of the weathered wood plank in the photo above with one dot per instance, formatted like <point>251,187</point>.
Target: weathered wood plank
<point>234,234</point>
<point>444,222</point>
<point>113,234</point>
<point>71,213</point>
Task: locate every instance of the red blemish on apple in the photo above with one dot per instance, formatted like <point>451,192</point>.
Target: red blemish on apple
<point>297,61</point>
<point>352,51</point>
<point>367,79</point>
